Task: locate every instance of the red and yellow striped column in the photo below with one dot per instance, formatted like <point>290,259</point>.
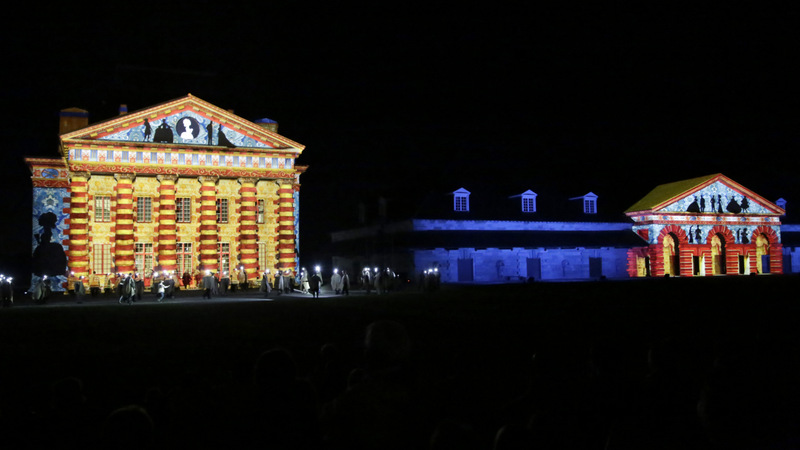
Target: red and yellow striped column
<point>123,234</point>
<point>78,247</point>
<point>286,236</point>
<point>248,228</point>
<point>167,231</point>
<point>209,256</point>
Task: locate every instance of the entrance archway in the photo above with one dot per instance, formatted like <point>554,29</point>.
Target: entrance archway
<point>762,254</point>
<point>718,254</point>
<point>671,252</point>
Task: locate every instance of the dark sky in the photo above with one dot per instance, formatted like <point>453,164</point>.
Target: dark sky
<point>399,100</point>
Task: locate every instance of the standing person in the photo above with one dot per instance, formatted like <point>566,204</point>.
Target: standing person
<point>161,290</point>
<point>139,285</point>
<point>336,280</point>
<point>301,281</point>
<point>345,283</point>
<point>187,279</point>
<point>94,284</point>
<point>366,283</point>
<point>265,285</point>
<point>235,280</point>
<point>209,283</point>
<point>80,290</point>
<point>281,282</point>
<point>224,282</point>
<point>305,286</point>
<point>243,279</point>
<point>314,284</point>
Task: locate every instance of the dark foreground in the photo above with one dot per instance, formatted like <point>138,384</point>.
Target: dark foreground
<point>728,346</point>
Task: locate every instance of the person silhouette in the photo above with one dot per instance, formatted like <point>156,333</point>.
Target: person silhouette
<point>147,130</point>
<point>188,131</point>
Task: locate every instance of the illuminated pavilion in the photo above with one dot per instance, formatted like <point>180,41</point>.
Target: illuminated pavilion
<point>181,186</point>
<point>706,226</point>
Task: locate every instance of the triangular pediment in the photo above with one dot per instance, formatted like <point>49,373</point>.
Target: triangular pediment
<point>711,194</point>
<point>187,121</point>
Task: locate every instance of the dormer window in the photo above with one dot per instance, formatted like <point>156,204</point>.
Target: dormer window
<point>461,200</point>
<point>528,201</point>
<point>589,203</point>
<point>781,202</point>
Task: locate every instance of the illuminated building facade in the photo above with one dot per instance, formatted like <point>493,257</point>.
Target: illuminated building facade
<point>484,235</point>
<point>181,186</point>
<point>706,226</point>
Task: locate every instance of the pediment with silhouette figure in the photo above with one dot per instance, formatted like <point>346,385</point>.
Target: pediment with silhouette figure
<point>187,121</point>
<point>711,194</point>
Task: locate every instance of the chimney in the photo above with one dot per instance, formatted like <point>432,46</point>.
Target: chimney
<point>72,119</point>
<point>123,109</point>
<point>269,124</point>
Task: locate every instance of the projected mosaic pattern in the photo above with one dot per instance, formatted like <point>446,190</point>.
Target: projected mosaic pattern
<point>185,127</point>
<point>698,234</point>
<point>717,199</point>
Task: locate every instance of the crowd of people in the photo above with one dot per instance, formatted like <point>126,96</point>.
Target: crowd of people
<point>381,400</point>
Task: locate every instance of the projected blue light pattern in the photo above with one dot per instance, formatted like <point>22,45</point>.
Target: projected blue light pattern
<point>49,200</point>
<point>185,127</point>
<point>717,198</point>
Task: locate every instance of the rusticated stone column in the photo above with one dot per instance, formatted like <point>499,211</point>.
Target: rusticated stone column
<point>286,235</point>
<point>209,255</point>
<point>248,229</point>
<point>167,232</point>
<point>78,246</point>
<point>123,227</point>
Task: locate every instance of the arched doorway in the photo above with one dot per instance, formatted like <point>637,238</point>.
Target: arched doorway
<point>762,254</point>
<point>670,254</point>
<point>718,255</point>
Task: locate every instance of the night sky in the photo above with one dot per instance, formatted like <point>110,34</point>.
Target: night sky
<point>425,96</point>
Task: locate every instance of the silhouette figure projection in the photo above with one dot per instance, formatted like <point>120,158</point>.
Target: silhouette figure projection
<point>223,140</point>
<point>702,203</point>
<point>733,206</point>
<point>745,204</point>
<point>188,128</point>
<point>719,203</point>
<point>697,235</point>
<point>210,130</point>
<point>147,130</point>
<point>745,240</point>
<point>693,207</point>
<point>163,133</point>
<point>713,204</point>
<point>49,257</point>
<point>691,235</point>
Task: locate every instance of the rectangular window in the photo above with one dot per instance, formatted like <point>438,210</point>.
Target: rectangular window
<point>144,209</point>
<point>222,210</point>
<point>262,256</point>
<point>183,209</point>
<point>102,208</point>
<point>140,157</point>
<point>181,158</point>
<point>461,203</point>
<point>528,204</point>
<point>183,254</point>
<point>224,250</point>
<point>143,254</point>
<point>260,211</point>
<point>101,258</point>
<point>589,206</point>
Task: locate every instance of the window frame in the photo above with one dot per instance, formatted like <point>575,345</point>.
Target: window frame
<point>144,209</point>
<point>223,210</point>
<point>183,210</point>
<point>102,205</point>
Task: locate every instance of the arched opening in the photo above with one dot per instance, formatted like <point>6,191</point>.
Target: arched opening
<point>762,253</point>
<point>718,254</point>
<point>670,253</point>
